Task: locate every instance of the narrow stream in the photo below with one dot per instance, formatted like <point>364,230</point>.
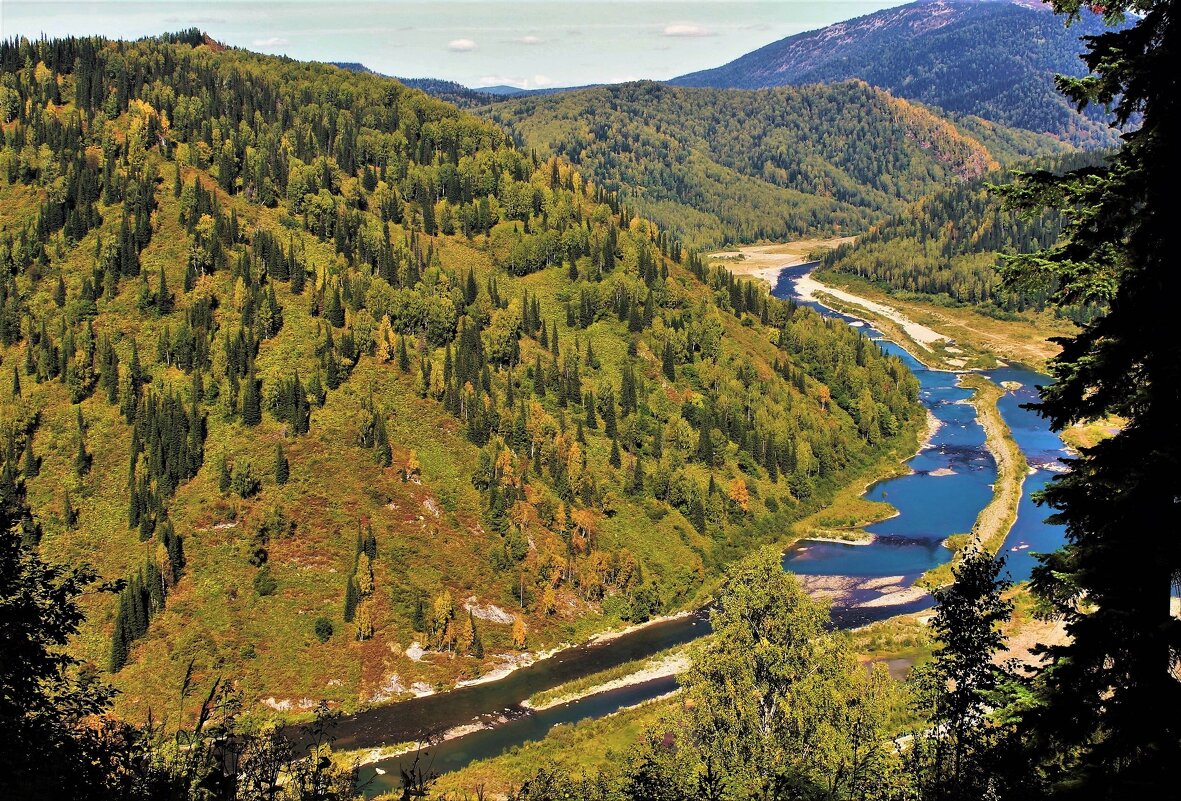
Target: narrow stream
<point>951,480</point>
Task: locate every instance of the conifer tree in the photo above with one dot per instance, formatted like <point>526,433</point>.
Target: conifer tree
<point>298,276</point>
<point>282,468</point>
<point>667,365</point>
<point>538,378</point>
<point>477,645</point>
<point>251,400</point>
<point>1109,694</point>
<point>607,402</point>
<point>403,355</point>
<point>615,459</point>
<point>334,311</point>
<point>382,452</point>
<point>69,513</point>
<point>351,598</point>
<point>636,484</point>
<point>223,476</point>
<point>418,617</point>
<point>82,458</point>
<point>32,467</point>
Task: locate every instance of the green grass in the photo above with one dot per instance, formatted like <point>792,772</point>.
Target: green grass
<point>579,687</point>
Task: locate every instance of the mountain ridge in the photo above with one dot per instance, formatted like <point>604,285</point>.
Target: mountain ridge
<point>993,58</point>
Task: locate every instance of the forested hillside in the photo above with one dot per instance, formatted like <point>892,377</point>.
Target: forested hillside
<point>995,60</point>
<point>454,93</point>
<point>317,367</point>
<point>948,247</point>
<point>724,165</point>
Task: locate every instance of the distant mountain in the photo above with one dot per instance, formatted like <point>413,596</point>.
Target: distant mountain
<point>501,89</point>
<point>717,165</point>
<point>996,60</point>
<point>450,91</point>
<point>454,93</point>
<point>352,66</point>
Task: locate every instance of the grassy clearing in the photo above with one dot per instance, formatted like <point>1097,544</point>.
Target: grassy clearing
<point>674,660</point>
<point>1088,435</point>
<point>1025,341</point>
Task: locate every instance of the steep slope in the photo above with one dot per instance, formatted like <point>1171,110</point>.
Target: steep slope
<point>947,248</point>
<point>716,165</point>
<point>995,60</point>
<point>321,367</point>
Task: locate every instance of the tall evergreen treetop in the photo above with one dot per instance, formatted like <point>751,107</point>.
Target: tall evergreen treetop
<point>1110,695</point>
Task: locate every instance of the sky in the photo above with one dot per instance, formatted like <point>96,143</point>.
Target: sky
<point>531,44</point>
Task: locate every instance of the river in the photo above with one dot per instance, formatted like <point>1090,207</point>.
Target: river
<point>951,480</point>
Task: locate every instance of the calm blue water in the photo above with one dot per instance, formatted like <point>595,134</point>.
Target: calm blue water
<point>951,481</point>
<point>952,478</point>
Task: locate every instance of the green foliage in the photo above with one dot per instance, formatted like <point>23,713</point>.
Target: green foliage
<point>323,629</point>
<point>446,275</point>
<point>282,466</point>
<point>719,166</point>
<point>960,755</point>
<point>1103,718</point>
<point>244,482</point>
<point>951,245</point>
<point>264,582</point>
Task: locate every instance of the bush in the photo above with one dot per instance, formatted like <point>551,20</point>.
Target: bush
<point>264,582</point>
<point>323,629</point>
<point>244,482</point>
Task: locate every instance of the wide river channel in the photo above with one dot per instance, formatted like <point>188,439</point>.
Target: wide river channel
<point>950,482</point>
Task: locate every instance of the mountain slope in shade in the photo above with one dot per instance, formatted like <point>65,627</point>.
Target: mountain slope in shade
<point>996,60</point>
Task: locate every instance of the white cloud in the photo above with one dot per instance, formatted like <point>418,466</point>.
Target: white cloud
<point>542,80</point>
<point>270,41</point>
<point>686,30</point>
<point>529,40</point>
<point>461,45</point>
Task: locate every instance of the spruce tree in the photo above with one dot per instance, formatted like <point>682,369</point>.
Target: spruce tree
<point>351,598</point>
<point>32,466</point>
<point>334,311</point>
<point>952,758</point>
<point>282,468</point>
<point>615,459</point>
<point>223,476</point>
<point>636,485</point>
<point>403,355</point>
<point>477,646</point>
<point>251,400</point>
<point>418,618</point>
<point>1107,712</point>
<point>69,513</point>
<point>82,458</point>
<point>538,378</point>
